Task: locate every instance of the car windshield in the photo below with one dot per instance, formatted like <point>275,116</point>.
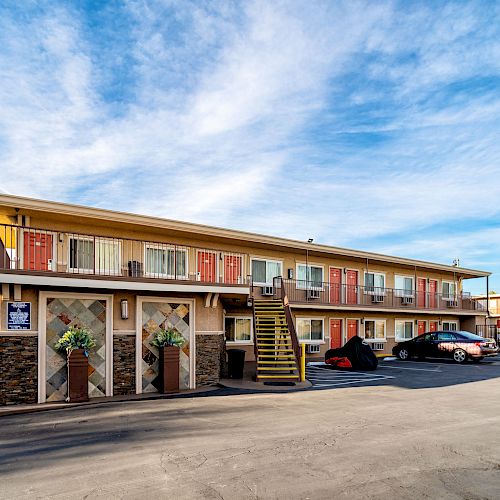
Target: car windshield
<point>469,335</point>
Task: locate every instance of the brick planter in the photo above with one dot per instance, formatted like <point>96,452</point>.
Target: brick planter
<point>78,385</point>
<point>168,378</point>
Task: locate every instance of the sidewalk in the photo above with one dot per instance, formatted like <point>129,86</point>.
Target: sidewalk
<point>36,407</point>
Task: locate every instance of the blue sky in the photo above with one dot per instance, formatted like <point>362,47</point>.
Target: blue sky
<point>368,125</point>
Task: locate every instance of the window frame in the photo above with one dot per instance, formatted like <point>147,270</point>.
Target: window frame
<point>239,342</point>
<point>449,297</point>
<point>449,323</point>
<point>401,292</point>
<point>266,260</point>
<point>311,318</point>
<point>383,290</point>
<point>96,269</point>
<point>404,339</point>
<point>165,248</point>
<point>300,285</point>
<point>375,339</point>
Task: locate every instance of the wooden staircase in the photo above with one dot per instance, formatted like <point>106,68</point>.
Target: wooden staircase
<point>274,351</point>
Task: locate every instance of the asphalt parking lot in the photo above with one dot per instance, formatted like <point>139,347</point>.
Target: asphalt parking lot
<point>412,374</point>
<point>419,430</point>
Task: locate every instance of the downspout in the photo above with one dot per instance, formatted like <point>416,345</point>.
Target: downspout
<point>487,298</point>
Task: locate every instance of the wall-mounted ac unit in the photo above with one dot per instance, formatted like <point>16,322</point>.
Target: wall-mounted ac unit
<point>312,294</point>
<point>406,300</point>
<point>313,348</point>
<point>377,346</point>
<point>267,290</point>
<point>376,299</point>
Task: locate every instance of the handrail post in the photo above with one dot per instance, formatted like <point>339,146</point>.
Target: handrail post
<point>303,363</point>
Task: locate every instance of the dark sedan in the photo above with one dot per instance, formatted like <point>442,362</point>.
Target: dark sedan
<point>460,346</point>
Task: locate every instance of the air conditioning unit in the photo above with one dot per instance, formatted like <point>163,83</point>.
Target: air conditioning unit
<point>312,294</point>
<point>267,291</point>
<point>406,300</point>
<point>313,348</point>
<point>377,346</point>
<point>376,299</point>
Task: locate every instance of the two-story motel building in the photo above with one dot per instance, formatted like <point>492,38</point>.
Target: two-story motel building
<point>124,275</point>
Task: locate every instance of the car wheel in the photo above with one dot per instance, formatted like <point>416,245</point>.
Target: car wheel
<point>477,360</point>
<point>403,354</point>
<point>459,356</point>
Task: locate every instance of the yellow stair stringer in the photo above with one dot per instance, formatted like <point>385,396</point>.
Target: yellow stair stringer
<point>273,337</point>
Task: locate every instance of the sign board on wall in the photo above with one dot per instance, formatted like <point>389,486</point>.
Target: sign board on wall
<point>18,315</point>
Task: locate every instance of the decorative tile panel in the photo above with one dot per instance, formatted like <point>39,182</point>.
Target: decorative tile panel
<point>85,313</point>
<point>163,315</point>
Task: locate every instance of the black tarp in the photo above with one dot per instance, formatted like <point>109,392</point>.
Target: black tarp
<point>357,352</point>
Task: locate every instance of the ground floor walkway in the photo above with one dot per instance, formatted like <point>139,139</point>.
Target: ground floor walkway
<point>383,441</point>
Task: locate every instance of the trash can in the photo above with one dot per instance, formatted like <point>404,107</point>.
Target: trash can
<point>235,363</point>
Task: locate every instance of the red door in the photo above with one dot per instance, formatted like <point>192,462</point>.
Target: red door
<point>421,292</point>
<point>232,269</point>
<point>352,328</point>
<point>335,333</point>
<point>207,266</point>
<point>433,326</point>
<point>433,284</point>
<point>37,251</point>
<point>420,327</point>
<point>352,287</point>
<point>335,285</point>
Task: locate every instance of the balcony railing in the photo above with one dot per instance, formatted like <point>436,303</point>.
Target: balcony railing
<point>322,293</point>
<point>30,250</point>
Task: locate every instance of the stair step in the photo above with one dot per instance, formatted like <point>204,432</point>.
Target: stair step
<point>279,369</point>
<point>275,347</point>
<point>287,363</point>
<point>265,357</point>
<point>277,376</point>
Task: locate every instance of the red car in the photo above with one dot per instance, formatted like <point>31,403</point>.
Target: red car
<point>460,346</point>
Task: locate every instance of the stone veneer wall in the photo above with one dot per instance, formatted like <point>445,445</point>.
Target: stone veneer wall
<point>18,369</point>
<point>210,359</point>
<point>123,364</point>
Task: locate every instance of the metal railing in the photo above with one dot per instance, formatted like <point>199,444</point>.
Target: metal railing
<point>488,331</point>
<point>33,250</point>
<point>323,293</point>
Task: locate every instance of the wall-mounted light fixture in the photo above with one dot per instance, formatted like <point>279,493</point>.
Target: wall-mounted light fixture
<point>250,302</point>
<point>124,308</point>
<point>440,320</point>
<point>416,321</point>
<point>362,320</point>
<point>290,274</point>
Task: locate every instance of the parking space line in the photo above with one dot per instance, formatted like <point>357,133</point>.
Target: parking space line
<point>414,369</point>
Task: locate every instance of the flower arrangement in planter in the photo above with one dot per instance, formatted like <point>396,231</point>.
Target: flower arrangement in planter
<point>77,342</point>
<point>169,343</point>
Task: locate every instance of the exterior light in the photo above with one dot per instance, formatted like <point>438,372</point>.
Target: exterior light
<point>124,308</point>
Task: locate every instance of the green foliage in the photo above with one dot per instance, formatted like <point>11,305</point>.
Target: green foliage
<point>75,338</point>
<point>168,337</point>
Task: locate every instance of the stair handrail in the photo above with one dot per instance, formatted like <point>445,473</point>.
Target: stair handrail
<point>289,321</point>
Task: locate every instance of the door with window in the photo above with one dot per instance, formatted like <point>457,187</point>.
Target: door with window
<point>335,333</point>
<point>352,328</point>
<point>421,292</point>
<point>335,285</point>
<point>351,287</point>
<point>38,251</point>
<point>232,269</point>
<point>433,326</point>
<point>207,266</point>
<point>421,327</point>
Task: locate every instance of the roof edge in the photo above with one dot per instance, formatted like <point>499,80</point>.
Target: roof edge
<point>158,222</point>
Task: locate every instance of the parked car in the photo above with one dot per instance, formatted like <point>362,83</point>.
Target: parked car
<point>459,346</point>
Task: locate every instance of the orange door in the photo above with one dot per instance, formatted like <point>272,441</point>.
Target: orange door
<point>207,266</point>
<point>335,285</point>
<point>420,327</point>
<point>335,333</point>
<point>433,326</point>
<point>421,292</point>
<point>352,287</point>
<point>352,328</point>
<point>37,251</point>
<point>433,284</point>
<point>232,269</point>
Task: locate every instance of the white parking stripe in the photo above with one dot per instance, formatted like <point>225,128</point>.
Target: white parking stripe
<point>320,375</point>
<point>437,369</point>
